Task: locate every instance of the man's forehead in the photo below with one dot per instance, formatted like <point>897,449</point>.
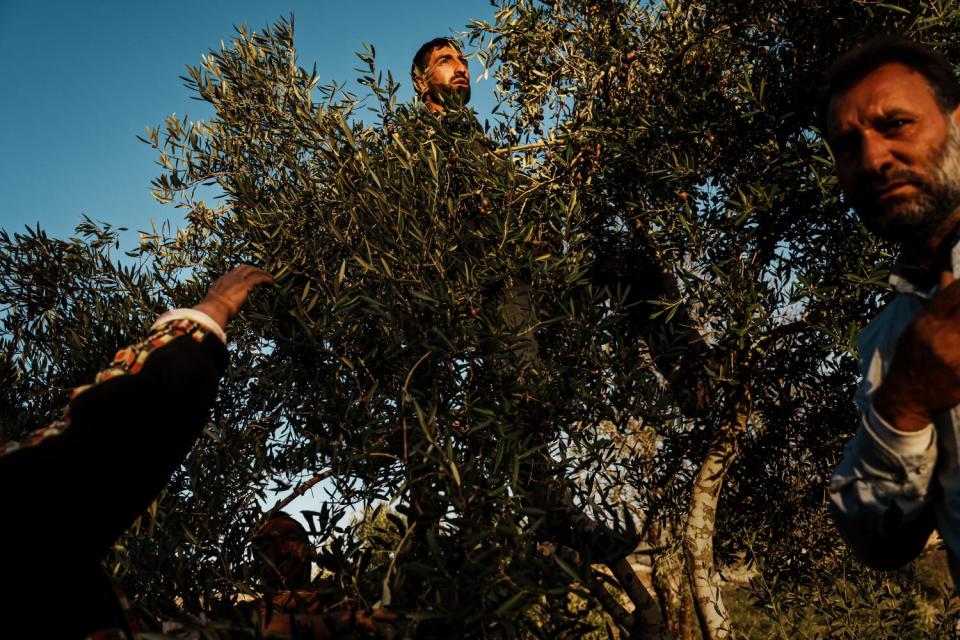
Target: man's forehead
<point>281,527</point>
<point>447,49</point>
<point>890,86</point>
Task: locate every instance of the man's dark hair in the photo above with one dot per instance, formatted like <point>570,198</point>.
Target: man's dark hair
<point>856,63</point>
<point>420,58</point>
<point>275,517</point>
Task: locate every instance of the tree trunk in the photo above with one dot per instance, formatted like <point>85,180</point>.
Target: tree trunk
<point>648,619</point>
<point>611,605</point>
<point>687,614</point>
<point>701,525</point>
<point>670,585</point>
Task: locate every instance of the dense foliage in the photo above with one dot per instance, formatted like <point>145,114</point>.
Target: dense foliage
<point>617,324</point>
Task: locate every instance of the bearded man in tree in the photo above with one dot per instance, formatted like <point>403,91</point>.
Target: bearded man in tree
<point>890,114</point>
<point>441,75</point>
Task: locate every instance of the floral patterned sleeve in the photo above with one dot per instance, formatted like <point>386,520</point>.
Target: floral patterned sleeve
<point>127,361</point>
<point>74,487</point>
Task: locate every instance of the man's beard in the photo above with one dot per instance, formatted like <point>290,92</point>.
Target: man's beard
<point>915,218</point>
<point>453,96</point>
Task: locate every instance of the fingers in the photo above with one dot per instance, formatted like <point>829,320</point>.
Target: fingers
<point>243,277</point>
<point>256,276</point>
<point>947,298</point>
<point>946,279</point>
<point>229,292</point>
<point>247,277</point>
<point>248,272</point>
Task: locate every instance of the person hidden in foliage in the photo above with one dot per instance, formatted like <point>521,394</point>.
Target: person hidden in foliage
<point>890,114</point>
<point>71,489</point>
<point>284,555</point>
<point>441,78</point>
<point>297,606</point>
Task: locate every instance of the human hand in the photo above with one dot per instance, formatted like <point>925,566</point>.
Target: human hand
<point>280,623</point>
<point>229,292</point>
<point>924,377</point>
<point>352,619</point>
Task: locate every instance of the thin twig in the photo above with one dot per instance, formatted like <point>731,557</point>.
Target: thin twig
<point>299,491</point>
<point>403,401</point>
<point>528,147</point>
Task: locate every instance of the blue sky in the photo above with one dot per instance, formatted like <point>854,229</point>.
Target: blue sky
<point>83,79</point>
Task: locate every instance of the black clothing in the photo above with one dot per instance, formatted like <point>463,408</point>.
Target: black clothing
<point>69,491</point>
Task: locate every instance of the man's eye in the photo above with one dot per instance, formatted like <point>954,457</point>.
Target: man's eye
<point>894,124</point>
<point>843,147</point>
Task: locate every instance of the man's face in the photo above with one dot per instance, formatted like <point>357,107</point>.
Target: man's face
<point>447,75</point>
<point>287,547</point>
<point>897,154</point>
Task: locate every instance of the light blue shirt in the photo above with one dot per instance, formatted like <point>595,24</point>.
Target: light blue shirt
<point>891,486</point>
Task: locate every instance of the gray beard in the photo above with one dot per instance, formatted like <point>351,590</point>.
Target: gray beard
<point>913,220</point>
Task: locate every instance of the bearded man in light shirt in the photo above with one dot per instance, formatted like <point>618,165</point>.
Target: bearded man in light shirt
<point>890,115</point>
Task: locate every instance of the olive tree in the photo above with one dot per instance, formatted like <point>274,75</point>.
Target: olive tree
<point>619,322</point>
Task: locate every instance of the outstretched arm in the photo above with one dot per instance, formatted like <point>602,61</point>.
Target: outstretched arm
<point>83,480</point>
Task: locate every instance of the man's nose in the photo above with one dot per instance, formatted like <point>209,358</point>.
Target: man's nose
<point>462,68</point>
<point>875,154</point>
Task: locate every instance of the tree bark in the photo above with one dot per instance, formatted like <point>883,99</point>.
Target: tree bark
<point>620,615</point>
<point>701,525</point>
<point>648,619</point>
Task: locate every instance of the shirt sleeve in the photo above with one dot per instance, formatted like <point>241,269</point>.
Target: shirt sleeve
<point>881,491</point>
<point>118,442</point>
<point>193,315</point>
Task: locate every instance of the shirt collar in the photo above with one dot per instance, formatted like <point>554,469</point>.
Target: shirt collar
<point>903,278</point>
